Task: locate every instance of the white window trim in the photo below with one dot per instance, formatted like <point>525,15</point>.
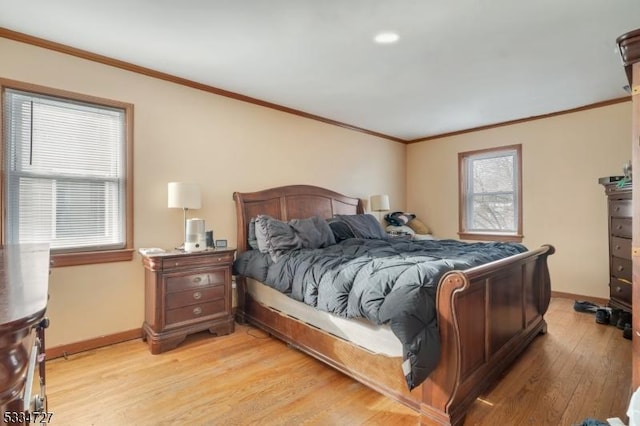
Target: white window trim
<point>69,258</point>
<point>464,209</point>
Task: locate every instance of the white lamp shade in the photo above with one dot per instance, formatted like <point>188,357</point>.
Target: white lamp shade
<point>184,195</point>
<point>379,203</point>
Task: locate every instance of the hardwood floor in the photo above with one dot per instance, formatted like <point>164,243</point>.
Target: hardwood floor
<point>579,369</point>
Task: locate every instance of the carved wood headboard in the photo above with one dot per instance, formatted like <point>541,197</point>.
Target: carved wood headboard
<point>290,202</point>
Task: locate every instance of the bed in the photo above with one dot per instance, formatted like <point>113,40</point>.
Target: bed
<point>486,315</point>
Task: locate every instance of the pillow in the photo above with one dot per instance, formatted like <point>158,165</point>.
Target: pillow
<point>277,237</point>
<point>251,238</point>
<point>418,226</point>
<point>341,230</point>
<point>364,226</point>
<point>404,229</point>
<point>399,218</point>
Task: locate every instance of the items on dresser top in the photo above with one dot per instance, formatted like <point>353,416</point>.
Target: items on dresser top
<point>186,293</point>
<point>619,207</point>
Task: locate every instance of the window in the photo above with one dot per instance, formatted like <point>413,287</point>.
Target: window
<point>67,174</point>
<point>491,194</point>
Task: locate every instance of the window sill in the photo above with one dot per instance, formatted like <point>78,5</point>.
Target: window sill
<point>90,257</point>
<point>511,238</point>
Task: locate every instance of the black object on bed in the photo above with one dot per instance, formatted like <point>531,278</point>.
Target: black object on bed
<point>384,280</point>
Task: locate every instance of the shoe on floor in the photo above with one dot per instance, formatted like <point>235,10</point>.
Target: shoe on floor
<point>614,316</point>
<point>626,333</point>
<point>585,306</point>
<point>625,318</point>
<point>602,316</point>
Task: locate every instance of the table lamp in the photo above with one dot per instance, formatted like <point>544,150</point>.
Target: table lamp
<point>185,196</point>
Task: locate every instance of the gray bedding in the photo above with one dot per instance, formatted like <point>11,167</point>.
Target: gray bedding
<point>391,281</point>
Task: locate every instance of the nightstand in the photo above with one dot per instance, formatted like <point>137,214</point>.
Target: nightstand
<point>186,293</point>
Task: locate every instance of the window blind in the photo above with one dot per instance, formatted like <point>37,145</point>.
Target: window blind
<point>65,172</point>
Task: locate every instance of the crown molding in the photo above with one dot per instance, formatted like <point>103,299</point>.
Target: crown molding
<point>84,54</point>
<point>523,120</point>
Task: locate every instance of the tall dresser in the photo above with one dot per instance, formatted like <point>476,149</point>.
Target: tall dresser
<point>620,267</point>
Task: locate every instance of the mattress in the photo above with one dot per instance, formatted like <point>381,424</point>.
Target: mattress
<point>378,339</point>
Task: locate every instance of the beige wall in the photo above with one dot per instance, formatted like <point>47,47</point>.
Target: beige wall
<point>227,145</point>
<point>182,134</point>
<point>563,204</point>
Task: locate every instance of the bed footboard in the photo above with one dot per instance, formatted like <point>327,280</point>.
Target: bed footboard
<point>487,316</point>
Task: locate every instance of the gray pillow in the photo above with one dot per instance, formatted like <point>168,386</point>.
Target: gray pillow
<point>341,231</point>
<point>277,237</point>
<point>364,226</point>
<point>251,238</point>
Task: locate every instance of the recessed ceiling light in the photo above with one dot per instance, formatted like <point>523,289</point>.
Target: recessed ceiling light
<point>386,37</point>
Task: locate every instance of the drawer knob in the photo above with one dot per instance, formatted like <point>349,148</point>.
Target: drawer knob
<point>197,295</point>
<point>197,310</point>
<point>219,259</point>
<point>620,268</point>
<point>617,208</point>
<point>177,264</point>
<point>197,279</point>
<point>619,227</point>
<point>617,247</point>
<point>618,289</point>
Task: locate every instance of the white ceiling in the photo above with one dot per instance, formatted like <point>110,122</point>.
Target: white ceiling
<point>458,64</point>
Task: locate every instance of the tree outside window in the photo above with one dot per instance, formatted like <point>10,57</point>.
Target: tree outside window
<point>490,194</point>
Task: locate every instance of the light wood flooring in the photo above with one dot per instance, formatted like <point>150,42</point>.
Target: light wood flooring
<point>579,369</point>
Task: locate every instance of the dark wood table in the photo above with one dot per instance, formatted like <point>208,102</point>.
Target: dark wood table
<point>24,286</point>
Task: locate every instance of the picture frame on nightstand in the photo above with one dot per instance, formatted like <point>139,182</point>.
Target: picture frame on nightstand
<point>221,244</point>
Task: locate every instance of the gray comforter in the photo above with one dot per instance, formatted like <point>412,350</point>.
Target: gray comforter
<point>390,281</point>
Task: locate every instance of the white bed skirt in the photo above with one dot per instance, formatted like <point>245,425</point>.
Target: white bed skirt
<point>374,338</point>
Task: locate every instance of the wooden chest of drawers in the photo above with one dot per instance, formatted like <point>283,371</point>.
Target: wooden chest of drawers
<point>620,265</point>
<point>186,293</point>
<point>24,294</point>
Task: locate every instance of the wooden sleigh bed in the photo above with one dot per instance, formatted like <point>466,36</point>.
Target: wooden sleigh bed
<point>486,315</point>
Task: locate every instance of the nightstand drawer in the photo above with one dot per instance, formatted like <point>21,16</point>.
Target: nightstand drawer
<point>621,227</point>
<point>192,297</point>
<point>621,268</point>
<point>195,311</point>
<point>192,281</point>
<point>620,208</point>
<point>196,260</point>
<point>621,247</point>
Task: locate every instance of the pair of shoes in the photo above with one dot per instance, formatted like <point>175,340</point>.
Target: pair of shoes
<point>603,316</point>
<point>585,306</point>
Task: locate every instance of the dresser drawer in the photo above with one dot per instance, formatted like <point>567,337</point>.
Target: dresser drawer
<point>192,312</point>
<point>621,268</point>
<point>194,296</point>
<point>621,227</point>
<point>197,260</point>
<point>621,247</point>
<point>620,290</point>
<point>193,281</point>
<point>620,208</point>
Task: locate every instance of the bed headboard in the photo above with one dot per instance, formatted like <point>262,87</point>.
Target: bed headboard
<point>290,202</point>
